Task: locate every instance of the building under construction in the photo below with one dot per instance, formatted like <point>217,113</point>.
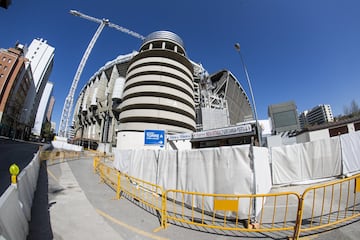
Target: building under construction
<point>160,89</point>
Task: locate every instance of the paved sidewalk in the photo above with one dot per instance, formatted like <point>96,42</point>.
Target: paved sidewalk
<point>72,215</point>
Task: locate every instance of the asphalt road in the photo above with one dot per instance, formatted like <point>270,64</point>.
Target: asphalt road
<point>12,151</point>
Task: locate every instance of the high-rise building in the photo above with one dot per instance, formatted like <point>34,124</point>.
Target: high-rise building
<point>42,109</point>
<point>303,120</point>
<point>50,108</point>
<point>41,57</point>
<point>284,117</point>
<point>319,114</point>
<point>53,126</point>
<point>5,3</point>
<point>15,82</point>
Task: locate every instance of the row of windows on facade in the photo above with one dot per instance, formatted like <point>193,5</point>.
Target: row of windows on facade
<point>9,60</point>
<point>5,67</point>
<point>4,59</point>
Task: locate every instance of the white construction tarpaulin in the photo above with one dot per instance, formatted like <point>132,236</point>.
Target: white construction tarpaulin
<point>350,150</point>
<point>308,161</point>
<point>224,170</point>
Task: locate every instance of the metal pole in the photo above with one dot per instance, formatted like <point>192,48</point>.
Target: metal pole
<point>237,47</point>
<point>251,154</point>
<point>252,160</point>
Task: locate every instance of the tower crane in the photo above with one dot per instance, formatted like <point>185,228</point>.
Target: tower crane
<point>68,104</point>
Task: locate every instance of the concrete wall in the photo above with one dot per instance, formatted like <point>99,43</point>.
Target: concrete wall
<point>16,203</point>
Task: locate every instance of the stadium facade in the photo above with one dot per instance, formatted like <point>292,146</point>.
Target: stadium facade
<point>159,89</point>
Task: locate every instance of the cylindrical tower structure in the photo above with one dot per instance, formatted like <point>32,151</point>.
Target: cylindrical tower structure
<point>159,90</point>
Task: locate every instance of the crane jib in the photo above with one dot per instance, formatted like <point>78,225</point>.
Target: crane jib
<point>68,104</point>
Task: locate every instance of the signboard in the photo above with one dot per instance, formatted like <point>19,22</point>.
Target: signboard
<point>223,131</point>
<point>154,137</point>
<point>182,136</point>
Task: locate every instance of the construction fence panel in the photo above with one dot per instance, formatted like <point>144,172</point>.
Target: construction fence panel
<point>58,156</point>
<point>278,212</point>
<point>329,204</point>
<point>141,191</point>
<point>318,207</point>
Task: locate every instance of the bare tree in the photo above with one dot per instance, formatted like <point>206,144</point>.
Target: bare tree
<point>352,110</point>
<point>354,107</point>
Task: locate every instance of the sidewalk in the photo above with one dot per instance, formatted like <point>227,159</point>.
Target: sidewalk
<point>72,215</point>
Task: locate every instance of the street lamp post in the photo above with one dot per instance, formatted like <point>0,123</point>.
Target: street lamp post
<point>251,154</point>
<point>237,47</point>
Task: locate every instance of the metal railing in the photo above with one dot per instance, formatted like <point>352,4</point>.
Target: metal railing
<point>143,192</point>
<point>58,156</point>
<point>221,211</point>
<point>278,211</point>
<point>329,204</point>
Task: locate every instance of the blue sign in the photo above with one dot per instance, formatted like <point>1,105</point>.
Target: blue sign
<point>154,137</point>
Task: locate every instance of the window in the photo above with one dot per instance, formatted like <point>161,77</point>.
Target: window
<point>357,126</point>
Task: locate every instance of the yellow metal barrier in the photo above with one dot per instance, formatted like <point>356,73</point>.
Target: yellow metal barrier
<point>329,204</point>
<point>277,212</point>
<point>96,163</point>
<point>145,192</point>
<point>108,175</point>
<point>317,208</point>
<point>141,191</point>
<point>52,156</point>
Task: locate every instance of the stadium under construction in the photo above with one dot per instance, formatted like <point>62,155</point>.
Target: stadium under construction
<point>158,98</point>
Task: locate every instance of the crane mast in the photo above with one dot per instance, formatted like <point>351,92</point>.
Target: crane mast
<point>68,104</point>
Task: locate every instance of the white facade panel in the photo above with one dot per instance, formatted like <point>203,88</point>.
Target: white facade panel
<point>93,99</point>
<point>40,55</point>
<point>215,118</point>
<point>40,115</point>
<point>118,88</point>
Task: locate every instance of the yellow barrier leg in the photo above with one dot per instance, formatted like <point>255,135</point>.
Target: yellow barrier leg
<point>13,179</point>
<point>118,187</point>
<point>163,211</point>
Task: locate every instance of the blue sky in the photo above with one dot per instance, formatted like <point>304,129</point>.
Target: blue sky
<point>307,51</point>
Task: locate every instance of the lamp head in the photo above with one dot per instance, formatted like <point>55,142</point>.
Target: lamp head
<point>237,47</point>
<point>14,169</point>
